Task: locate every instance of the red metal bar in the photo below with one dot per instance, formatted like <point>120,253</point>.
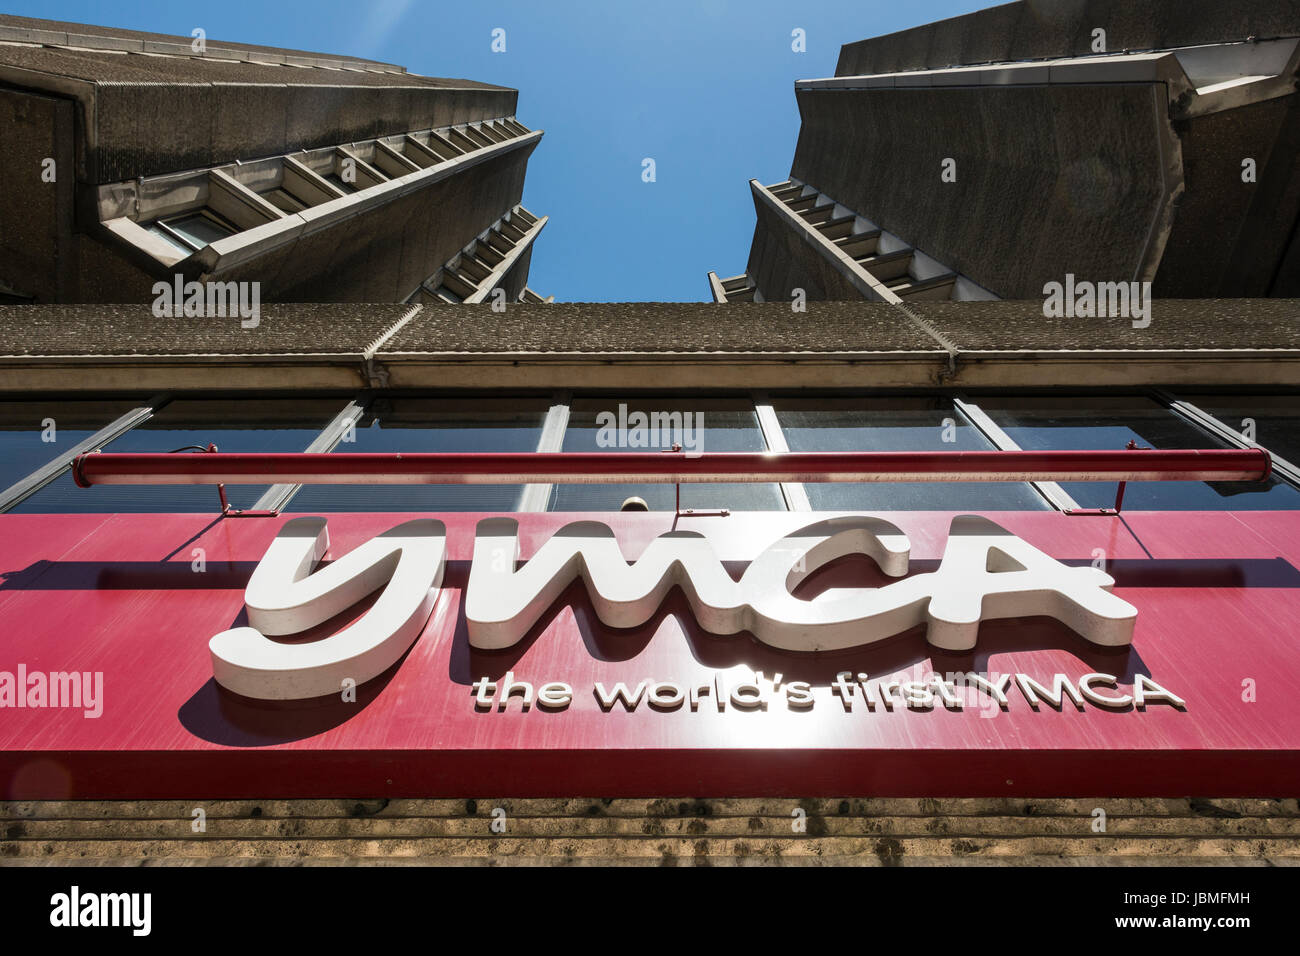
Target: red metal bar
<point>488,468</point>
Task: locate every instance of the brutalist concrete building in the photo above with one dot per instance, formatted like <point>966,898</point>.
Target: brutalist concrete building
<point>988,155</point>
<point>137,157</point>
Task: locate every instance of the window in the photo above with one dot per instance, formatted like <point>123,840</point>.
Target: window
<point>180,248</point>
<point>653,424</point>
<point>433,425</point>
<point>1110,422</point>
<point>895,424</point>
<point>247,424</point>
<point>34,433</point>
<point>284,200</point>
<point>192,231</point>
<point>1274,419</point>
<point>337,180</point>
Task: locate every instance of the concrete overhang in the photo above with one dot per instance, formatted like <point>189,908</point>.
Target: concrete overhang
<point>1199,79</point>
<point>226,254</point>
<point>656,370</point>
<point>867,285</point>
<point>128,128</point>
<point>108,373</point>
<point>80,36</point>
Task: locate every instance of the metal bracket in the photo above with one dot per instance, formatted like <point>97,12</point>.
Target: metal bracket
<point>677,506</point>
<point>226,510</point>
<point>1119,496</point>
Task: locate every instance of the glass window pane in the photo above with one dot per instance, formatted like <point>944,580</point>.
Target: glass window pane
<point>33,433</point>
<point>247,424</point>
<point>650,424</point>
<point>1087,422</point>
<point>895,424</point>
<point>201,228</point>
<point>167,237</point>
<point>433,425</point>
<point>1276,418</point>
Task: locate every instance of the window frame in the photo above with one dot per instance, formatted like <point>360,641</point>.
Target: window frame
<point>353,404</point>
<point>166,225</point>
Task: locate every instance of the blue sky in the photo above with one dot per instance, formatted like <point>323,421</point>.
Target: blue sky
<point>704,87</point>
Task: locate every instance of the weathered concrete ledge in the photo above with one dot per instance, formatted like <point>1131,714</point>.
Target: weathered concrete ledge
<point>655,832</point>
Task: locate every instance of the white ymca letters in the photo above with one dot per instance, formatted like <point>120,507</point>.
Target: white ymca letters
<point>284,597</point>
<point>986,573</point>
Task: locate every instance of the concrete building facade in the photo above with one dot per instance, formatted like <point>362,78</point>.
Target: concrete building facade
<point>993,153</point>
<point>141,157</point>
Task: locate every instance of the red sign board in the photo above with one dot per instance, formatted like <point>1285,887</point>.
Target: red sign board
<point>129,603</point>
